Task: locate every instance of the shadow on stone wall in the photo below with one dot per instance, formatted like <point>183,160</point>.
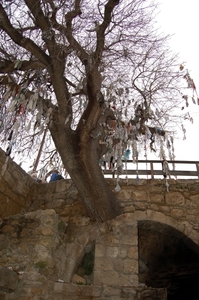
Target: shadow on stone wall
<point>15,187</point>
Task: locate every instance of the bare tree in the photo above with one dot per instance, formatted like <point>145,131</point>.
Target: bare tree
<point>95,74</point>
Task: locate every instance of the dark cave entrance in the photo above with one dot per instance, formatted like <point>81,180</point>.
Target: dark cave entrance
<point>168,259</point>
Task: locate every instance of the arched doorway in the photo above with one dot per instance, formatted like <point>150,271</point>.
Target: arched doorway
<point>168,259</point>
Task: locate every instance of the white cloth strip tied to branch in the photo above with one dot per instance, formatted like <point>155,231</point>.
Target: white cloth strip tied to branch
<point>167,185</point>
<point>134,148</point>
<point>137,172</point>
<point>165,170</point>
<point>117,188</point>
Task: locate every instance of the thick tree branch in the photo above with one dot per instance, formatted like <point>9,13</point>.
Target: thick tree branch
<point>81,53</point>
<point>18,38</point>
<point>7,66</point>
<point>101,30</point>
<point>43,23</point>
<point>57,65</point>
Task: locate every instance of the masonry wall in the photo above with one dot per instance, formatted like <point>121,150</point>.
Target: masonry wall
<point>147,200</point>
<point>45,232</point>
<point>39,255</point>
<point>176,205</point>
<point>15,187</point>
<point>19,193</point>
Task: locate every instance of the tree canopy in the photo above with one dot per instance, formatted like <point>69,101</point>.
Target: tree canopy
<point>92,79</point>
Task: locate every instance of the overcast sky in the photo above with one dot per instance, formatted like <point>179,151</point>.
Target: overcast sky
<point>180,18</point>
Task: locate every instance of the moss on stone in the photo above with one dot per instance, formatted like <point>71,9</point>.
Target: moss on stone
<point>87,264</point>
<point>40,264</point>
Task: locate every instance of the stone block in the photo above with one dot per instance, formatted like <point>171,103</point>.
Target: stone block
<point>191,217</point>
<point>125,194</point>
<point>100,250</point>
<point>118,265</point>
<point>140,215</point>
<point>122,252</point>
<point>129,218</point>
<point>40,249</point>
<point>133,252</point>
<point>79,220</point>
<point>128,280</point>
<point>177,213</point>
<point>124,280</point>
<point>128,293</point>
<point>139,195</point>
<point>104,263</point>
<point>129,208</point>
<point>165,209</point>
<point>49,220</point>
<point>156,188</point>
<point>110,239</point>
<point>148,294</point>
<point>66,211</point>
<point>78,279</point>
<point>106,278</point>
<point>8,279</point>
<point>174,199</point>
<point>7,229</point>
<point>141,206</point>
<point>112,251</point>
<point>194,200</point>
<point>61,186</point>
<point>154,207</point>
<point>36,290</point>
<point>44,230</point>
<point>130,266</point>
<point>157,198</point>
<point>156,216</point>
<point>109,291</point>
<point>130,239</point>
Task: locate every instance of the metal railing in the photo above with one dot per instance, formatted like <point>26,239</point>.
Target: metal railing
<point>153,168</point>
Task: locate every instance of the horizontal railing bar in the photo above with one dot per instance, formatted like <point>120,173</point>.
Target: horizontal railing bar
<point>159,161</point>
<point>152,171</point>
<point>155,172</point>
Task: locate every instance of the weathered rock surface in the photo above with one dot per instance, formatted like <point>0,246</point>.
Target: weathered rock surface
<point>45,233</point>
<point>8,279</point>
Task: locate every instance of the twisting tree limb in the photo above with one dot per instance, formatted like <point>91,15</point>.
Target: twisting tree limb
<point>20,40</point>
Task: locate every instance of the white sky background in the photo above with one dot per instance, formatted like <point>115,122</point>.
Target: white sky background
<point>180,19</point>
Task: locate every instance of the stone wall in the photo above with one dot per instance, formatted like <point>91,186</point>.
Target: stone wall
<point>147,200</point>
<point>15,187</point>
<point>39,255</point>
<point>45,233</point>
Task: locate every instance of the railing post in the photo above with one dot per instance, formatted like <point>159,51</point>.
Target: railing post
<point>197,168</point>
<point>152,173</point>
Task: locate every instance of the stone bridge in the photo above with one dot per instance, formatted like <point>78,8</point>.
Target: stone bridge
<point>149,252</point>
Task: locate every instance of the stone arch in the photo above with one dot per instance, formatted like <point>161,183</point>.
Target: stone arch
<point>77,247</point>
<point>181,225</point>
<point>116,256</point>
<point>168,259</point>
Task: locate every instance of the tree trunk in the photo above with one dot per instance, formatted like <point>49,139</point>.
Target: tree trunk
<point>99,200</point>
<point>82,163</point>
